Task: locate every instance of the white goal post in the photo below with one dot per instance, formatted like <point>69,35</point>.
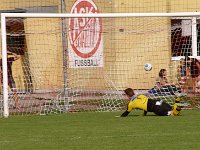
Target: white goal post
<point>4,16</point>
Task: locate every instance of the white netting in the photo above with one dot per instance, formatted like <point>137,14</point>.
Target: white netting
<point>103,56</point>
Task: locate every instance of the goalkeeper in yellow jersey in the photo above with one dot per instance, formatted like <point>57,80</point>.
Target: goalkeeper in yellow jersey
<point>142,102</point>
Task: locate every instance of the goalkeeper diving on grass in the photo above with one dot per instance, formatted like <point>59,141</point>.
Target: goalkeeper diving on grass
<point>159,107</point>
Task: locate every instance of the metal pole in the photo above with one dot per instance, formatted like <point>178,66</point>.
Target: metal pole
<point>4,66</point>
<point>64,46</point>
<point>194,36</point>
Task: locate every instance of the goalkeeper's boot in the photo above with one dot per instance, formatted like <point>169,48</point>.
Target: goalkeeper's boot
<point>176,110</point>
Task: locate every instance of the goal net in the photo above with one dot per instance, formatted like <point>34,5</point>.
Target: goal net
<point>55,63</point>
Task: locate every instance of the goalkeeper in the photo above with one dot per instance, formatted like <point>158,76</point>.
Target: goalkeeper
<point>142,102</point>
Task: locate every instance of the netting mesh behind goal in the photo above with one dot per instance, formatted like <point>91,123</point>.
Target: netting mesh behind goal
<point>84,64</point>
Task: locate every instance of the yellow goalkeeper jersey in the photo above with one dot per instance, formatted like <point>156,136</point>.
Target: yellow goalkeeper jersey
<point>138,102</point>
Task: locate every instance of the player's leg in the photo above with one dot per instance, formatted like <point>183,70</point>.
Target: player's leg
<point>176,107</point>
<point>176,110</point>
<point>162,109</point>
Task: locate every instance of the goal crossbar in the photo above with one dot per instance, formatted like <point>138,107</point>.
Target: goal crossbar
<point>106,15</point>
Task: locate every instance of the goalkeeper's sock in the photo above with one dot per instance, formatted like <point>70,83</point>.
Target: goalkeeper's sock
<point>177,102</point>
<point>176,110</point>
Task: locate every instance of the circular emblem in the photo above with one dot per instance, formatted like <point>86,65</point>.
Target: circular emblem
<point>85,33</point>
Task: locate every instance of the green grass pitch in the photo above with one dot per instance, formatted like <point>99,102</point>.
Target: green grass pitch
<point>101,131</point>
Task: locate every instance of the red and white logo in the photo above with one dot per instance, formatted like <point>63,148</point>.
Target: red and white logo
<point>85,34</point>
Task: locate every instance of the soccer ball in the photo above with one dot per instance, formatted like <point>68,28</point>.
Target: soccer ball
<point>147,67</point>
